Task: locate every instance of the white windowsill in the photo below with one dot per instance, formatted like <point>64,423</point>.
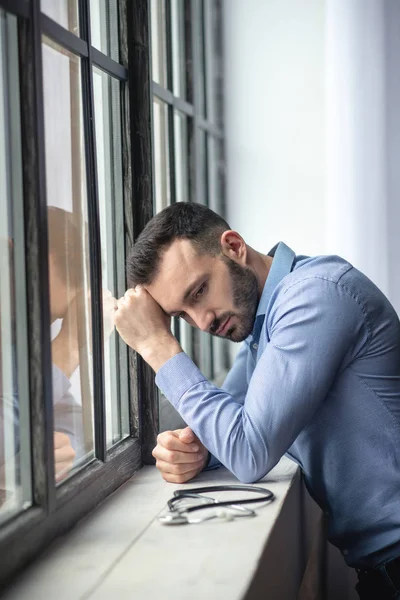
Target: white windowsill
<point>122,551</point>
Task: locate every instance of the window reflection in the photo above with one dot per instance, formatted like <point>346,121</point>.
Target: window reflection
<point>104,27</point>
<point>161,155</point>
<point>15,480</point>
<point>109,169</point>
<point>158,42</point>
<point>63,12</point>
<point>68,257</point>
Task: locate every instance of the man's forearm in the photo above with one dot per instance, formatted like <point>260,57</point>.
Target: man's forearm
<point>159,351</point>
<point>65,355</point>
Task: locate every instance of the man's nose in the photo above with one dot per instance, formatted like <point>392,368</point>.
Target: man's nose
<point>203,319</point>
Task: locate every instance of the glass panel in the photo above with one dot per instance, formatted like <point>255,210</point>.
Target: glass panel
<point>215,175</point>
<point>104,27</point>
<point>181,157</point>
<point>211,57</point>
<point>158,42</point>
<point>15,462</point>
<point>107,102</point>
<point>202,190</point>
<point>64,12</point>
<point>200,77</point>
<point>68,255</point>
<point>178,48</point>
<point>161,155</point>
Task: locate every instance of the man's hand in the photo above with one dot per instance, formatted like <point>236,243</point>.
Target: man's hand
<point>64,455</point>
<point>145,327</point>
<point>179,455</point>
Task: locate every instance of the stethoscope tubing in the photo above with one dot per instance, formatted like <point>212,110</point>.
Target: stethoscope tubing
<point>181,494</point>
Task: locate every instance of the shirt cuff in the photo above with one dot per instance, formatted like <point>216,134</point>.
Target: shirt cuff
<point>213,463</point>
<point>61,384</point>
<point>177,376</point>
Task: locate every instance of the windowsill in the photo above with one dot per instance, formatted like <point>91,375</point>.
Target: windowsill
<point>121,550</point>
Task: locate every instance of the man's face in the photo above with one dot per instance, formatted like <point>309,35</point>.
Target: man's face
<point>214,294</point>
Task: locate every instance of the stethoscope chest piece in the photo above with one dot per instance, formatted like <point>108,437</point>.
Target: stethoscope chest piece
<point>173,519</point>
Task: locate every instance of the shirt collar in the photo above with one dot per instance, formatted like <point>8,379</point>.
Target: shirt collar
<point>282,265</point>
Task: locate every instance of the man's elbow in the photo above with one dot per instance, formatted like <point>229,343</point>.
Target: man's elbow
<point>250,473</point>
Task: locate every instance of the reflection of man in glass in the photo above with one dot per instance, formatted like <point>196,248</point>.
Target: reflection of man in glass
<point>68,430</point>
<point>66,283</point>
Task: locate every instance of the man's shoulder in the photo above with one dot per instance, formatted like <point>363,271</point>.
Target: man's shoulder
<point>330,267</point>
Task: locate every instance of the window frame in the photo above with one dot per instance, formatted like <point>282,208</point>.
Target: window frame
<point>195,109</point>
<point>54,509</point>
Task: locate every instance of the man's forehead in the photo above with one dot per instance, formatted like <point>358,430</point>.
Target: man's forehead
<point>181,256</point>
<point>180,267</point>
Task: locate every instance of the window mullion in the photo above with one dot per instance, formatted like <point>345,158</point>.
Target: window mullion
<point>35,206</point>
<point>100,446</point>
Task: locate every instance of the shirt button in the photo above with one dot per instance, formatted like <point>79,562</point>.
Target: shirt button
<point>255,346</point>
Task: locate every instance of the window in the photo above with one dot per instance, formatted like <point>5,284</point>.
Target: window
<point>187,133</point>
<point>89,150</point>
<point>67,221</point>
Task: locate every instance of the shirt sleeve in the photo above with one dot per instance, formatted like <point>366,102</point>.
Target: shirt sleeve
<point>315,327</point>
<point>236,385</point>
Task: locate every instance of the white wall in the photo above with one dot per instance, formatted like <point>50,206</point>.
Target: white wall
<point>275,111</point>
<point>312,92</point>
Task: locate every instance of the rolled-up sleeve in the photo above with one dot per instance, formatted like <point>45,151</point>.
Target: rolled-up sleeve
<point>313,328</point>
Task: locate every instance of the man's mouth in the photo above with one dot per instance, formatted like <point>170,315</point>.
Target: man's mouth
<point>224,327</point>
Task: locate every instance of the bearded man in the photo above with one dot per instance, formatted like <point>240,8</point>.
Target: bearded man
<point>317,377</point>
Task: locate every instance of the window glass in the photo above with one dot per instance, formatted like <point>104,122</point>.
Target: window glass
<point>15,465</point>
<point>178,48</point>
<point>161,155</point>
<point>64,12</point>
<point>109,170</point>
<point>158,42</point>
<point>181,157</point>
<point>199,74</point>
<point>104,27</point>
<point>211,58</point>
<point>68,254</point>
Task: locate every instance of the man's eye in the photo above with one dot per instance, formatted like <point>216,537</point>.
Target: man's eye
<point>200,291</point>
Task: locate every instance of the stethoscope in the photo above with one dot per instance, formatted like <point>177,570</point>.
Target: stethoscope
<point>180,507</point>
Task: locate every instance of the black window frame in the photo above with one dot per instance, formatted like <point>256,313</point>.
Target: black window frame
<point>56,509</point>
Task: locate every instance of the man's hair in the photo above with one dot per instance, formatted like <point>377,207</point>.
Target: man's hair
<point>188,221</point>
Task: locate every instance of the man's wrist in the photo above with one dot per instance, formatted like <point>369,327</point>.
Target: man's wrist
<point>159,351</point>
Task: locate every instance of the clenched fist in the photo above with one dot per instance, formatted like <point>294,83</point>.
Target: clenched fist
<point>145,327</point>
<point>64,455</point>
<point>179,455</point>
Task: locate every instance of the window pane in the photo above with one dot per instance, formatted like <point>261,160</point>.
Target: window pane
<point>161,155</point>
<point>181,157</point>
<point>202,191</point>
<point>158,42</point>
<point>64,12</point>
<point>15,465</point>
<point>199,68</point>
<point>68,250</point>
<point>215,174</point>
<point>109,169</point>
<point>104,27</point>
<point>211,57</point>
<point>178,48</point>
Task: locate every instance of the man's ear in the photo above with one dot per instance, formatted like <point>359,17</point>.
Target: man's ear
<point>233,246</point>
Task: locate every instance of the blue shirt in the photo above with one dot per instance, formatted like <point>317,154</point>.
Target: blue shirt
<point>319,380</point>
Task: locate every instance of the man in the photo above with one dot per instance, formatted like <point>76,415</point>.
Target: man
<point>318,377</point>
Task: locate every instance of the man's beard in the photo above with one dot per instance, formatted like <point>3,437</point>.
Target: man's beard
<point>245,298</point>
